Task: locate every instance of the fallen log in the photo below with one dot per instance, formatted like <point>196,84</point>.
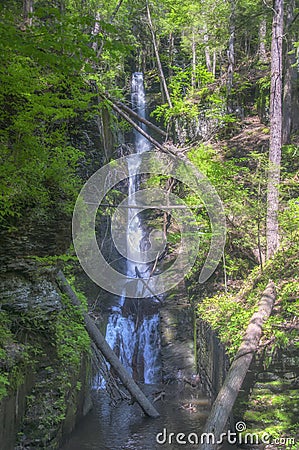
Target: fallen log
<point>146,284</point>
<point>108,353</point>
<point>139,118</point>
<point>134,124</point>
<point>226,398</point>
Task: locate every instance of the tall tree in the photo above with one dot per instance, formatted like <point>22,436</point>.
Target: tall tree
<point>155,44</point>
<point>262,41</point>
<point>275,129</point>
<point>231,54</point>
<point>27,11</point>
<point>291,87</point>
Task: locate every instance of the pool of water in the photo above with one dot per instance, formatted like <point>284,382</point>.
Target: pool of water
<point>182,409</point>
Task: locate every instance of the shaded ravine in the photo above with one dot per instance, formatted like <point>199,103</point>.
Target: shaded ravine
<point>136,329</point>
<point>183,408</point>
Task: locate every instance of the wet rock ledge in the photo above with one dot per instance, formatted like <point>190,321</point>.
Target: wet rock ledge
<point>177,351</point>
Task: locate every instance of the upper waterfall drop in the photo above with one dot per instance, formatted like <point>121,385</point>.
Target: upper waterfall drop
<point>138,101</point>
<point>135,231</point>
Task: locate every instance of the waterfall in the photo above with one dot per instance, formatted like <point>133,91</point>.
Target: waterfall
<point>135,337</point>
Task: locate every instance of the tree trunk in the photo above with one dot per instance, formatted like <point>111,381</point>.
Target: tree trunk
<point>171,52</point>
<point>226,398</point>
<point>137,127</point>
<point>193,72</point>
<point>109,354</point>
<point>214,63</point>
<point>290,88</point>
<point>275,130</point>
<point>207,53</point>
<point>262,41</point>
<point>95,31</point>
<point>27,12</point>
<point>106,131</point>
<point>160,69</point>
<point>141,119</point>
<point>231,56</point>
<point>113,15</point>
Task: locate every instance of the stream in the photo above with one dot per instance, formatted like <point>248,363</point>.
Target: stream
<point>133,332</point>
<point>108,427</point>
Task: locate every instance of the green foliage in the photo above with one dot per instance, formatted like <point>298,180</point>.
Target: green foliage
<point>58,342</point>
<point>15,358</point>
<point>275,412</point>
<point>71,341</point>
<point>40,94</point>
<point>229,313</point>
<point>6,338</point>
<point>3,384</point>
<point>241,184</point>
<point>189,102</point>
<point>46,76</point>
<point>263,95</point>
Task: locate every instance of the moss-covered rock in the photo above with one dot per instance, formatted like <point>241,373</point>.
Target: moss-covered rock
<point>45,362</point>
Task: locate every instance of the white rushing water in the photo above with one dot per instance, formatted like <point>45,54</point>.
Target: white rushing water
<point>135,337</point>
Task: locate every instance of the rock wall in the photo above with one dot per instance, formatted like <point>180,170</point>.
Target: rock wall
<point>268,401</point>
<point>45,394</point>
<point>212,360</point>
<point>176,324</point>
<point>12,409</point>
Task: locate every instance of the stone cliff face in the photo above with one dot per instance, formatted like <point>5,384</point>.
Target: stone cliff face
<point>176,319</point>
<point>45,393</point>
<point>212,359</point>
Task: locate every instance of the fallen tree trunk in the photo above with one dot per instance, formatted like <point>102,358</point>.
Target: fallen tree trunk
<point>140,119</point>
<point>109,354</point>
<point>134,124</point>
<point>225,400</point>
<point>146,285</point>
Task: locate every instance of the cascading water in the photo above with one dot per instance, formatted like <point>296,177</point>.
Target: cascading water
<point>135,337</point>
<point>133,332</point>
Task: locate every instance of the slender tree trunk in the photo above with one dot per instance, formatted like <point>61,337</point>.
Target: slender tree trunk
<point>214,63</point>
<point>231,56</point>
<point>207,52</point>
<point>113,15</point>
<point>95,31</point>
<point>262,41</point>
<point>27,12</point>
<point>97,28</point>
<point>287,98</point>
<point>193,73</point>
<point>140,119</point>
<point>170,52</point>
<point>290,87</point>
<point>161,73</point>
<point>137,127</point>
<point>275,130</point>
<point>106,131</point>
